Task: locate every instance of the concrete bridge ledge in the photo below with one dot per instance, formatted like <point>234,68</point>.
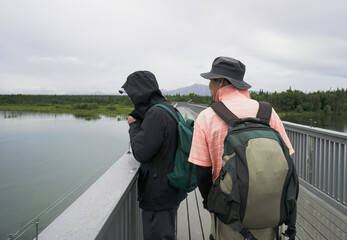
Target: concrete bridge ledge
<point>88,215</point>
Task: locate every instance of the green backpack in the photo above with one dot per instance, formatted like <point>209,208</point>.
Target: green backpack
<point>183,175</point>
<point>258,185</point>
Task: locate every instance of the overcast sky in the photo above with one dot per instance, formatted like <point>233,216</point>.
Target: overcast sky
<point>64,46</point>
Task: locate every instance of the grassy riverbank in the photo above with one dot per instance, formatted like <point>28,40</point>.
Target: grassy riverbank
<point>303,114</point>
<point>89,110</point>
<point>88,106</point>
<point>321,109</point>
<point>114,110</point>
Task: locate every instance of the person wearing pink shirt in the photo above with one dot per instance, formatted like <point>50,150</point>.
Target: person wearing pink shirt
<point>226,85</point>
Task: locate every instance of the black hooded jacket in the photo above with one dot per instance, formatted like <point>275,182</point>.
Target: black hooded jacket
<point>153,138</point>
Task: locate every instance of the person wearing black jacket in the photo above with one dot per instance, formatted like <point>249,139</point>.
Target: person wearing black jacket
<point>153,137</point>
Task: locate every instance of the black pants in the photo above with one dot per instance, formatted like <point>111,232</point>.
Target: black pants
<point>159,225</point>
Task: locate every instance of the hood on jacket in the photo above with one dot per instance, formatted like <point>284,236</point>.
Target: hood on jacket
<point>141,86</point>
<point>143,90</point>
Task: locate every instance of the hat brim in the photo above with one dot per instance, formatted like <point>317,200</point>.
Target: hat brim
<point>242,85</point>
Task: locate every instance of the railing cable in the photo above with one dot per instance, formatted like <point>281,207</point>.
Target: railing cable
<point>53,205</point>
<point>22,232</point>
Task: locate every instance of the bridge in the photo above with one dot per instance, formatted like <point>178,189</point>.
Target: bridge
<point>109,208</point>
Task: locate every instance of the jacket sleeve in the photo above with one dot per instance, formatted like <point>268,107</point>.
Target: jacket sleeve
<point>204,179</point>
<point>147,136</point>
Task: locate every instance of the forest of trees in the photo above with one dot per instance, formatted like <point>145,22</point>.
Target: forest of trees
<point>43,100</point>
<point>288,101</point>
<point>329,101</point>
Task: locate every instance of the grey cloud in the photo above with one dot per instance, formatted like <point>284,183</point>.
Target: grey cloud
<point>76,45</point>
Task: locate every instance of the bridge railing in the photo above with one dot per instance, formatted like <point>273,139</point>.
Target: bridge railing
<point>321,160</point>
<point>107,210</point>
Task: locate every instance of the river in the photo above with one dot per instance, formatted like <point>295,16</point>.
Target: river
<point>334,122</point>
<point>48,160</point>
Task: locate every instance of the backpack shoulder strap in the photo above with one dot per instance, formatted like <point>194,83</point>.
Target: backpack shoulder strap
<point>174,117</point>
<point>168,110</point>
<point>264,111</point>
<point>224,113</point>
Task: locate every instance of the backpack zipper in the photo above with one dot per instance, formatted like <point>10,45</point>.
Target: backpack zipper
<point>250,128</point>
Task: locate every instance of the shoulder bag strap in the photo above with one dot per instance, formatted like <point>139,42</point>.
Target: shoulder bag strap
<point>168,110</point>
<point>224,113</point>
<point>264,111</point>
<point>174,117</point>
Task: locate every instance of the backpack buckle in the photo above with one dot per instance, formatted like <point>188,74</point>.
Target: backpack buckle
<point>247,235</point>
<point>222,173</point>
<point>290,233</point>
<point>228,198</point>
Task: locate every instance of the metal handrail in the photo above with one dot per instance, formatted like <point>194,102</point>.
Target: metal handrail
<point>321,159</point>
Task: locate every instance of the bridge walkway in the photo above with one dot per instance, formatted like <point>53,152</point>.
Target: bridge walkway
<point>316,218</point>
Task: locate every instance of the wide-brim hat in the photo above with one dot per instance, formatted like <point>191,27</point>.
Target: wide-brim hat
<point>229,68</point>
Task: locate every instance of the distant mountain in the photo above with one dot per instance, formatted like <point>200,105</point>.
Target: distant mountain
<point>198,89</point>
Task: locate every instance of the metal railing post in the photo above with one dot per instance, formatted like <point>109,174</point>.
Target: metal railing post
<point>309,157</point>
<point>37,228</point>
<point>129,148</point>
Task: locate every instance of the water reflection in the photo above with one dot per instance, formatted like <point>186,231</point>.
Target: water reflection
<point>30,115</point>
<point>87,117</point>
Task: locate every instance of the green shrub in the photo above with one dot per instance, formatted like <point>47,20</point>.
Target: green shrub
<point>86,106</point>
<point>80,106</point>
<point>111,108</point>
<point>299,109</point>
<point>327,109</point>
<point>91,106</point>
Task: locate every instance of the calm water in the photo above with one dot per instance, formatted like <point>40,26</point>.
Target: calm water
<point>46,156</point>
<point>332,122</point>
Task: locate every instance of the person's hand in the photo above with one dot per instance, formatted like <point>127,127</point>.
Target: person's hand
<point>131,120</point>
